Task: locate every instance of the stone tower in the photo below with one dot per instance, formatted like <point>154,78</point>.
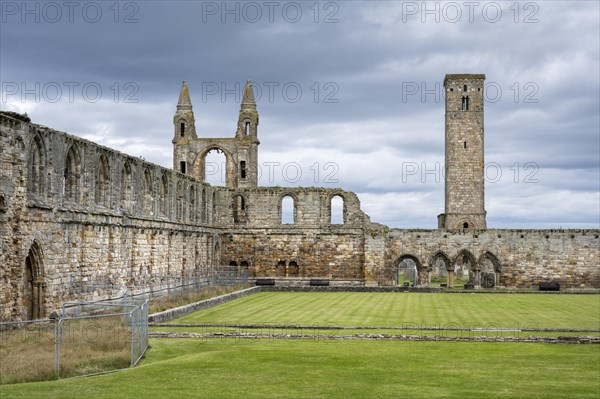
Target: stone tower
<point>464,152</point>
<point>185,128</point>
<point>247,135</point>
<point>241,151</point>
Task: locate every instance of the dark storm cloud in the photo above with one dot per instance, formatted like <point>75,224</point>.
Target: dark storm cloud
<point>358,107</point>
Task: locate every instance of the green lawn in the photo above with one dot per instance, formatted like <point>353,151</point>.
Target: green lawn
<point>188,368</point>
<point>405,309</point>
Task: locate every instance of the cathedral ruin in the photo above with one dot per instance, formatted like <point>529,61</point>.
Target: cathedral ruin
<point>73,210</point>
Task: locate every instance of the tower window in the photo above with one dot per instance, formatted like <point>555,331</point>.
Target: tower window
<point>464,106</point>
<point>465,88</point>
<point>465,225</point>
<point>182,166</point>
<point>181,129</point>
<point>465,145</point>
<point>243,169</point>
<point>451,89</point>
<point>247,128</point>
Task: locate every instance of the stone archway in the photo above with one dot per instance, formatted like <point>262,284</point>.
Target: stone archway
<point>200,169</point>
<point>34,285</point>
<point>490,269</point>
<point>440,270</point>
<point>408,269</point>
<point>466,269</point>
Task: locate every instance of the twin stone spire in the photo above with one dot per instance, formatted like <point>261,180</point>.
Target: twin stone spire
<point>185,103</point>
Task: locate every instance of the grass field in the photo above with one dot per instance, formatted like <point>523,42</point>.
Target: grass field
<point>321,368</point>
<point>401,309</point>
<point>186,368</point>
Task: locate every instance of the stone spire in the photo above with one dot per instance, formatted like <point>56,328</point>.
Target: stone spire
<point>248,102</point>
<point>184,103</point>
<point>248,119</point>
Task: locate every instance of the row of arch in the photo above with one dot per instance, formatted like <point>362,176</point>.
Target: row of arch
<point>155,196</point>
<point>288,210</point>
<point>463,268</point>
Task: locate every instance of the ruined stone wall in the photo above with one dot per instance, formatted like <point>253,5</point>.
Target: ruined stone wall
<point>76,213</point>
<point>522,258</point>
<point>121,222</point>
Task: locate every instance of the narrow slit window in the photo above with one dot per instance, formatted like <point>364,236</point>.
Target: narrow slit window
<point>247,128</point>
<point>182,166</point>
<point>181,129</point>
<point>243,169</point>
<point>465,145</point>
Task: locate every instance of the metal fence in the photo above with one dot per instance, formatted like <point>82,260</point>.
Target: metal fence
<point>108,337</point>
<point>105,327</point>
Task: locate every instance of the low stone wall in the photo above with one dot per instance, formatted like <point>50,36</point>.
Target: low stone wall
<point>205,304</point>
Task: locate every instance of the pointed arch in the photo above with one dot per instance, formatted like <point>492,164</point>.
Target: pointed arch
<point>37,167</point>
<point>127,186</point>
<point>102,190</point>
<point>490,268</point>
<point>439,267</point>
<point>239,207</point>
<point>408,268</point>
<point>179,201</point>
<point>72,174</point>
<point>148,191</point>
<point>202,207</point>
<point>465,268</point>
<point>201,169</point>
<point>192,203</point>
<point>164,195</point>
<point>34,285</point>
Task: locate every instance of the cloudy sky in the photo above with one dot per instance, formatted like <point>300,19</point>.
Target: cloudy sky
<point>349,92</point>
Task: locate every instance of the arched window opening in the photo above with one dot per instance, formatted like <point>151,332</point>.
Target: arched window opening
<point>464,269</point>
<point>214,207</point>
<point>182,129</point>
<point>239,209</point>
<point>179,208</point>
<point>243,169</point>
<point>464,106</point>
<point>203,205</point>
<point>192,212</point>
<point>280,271</point>
<point>287,210</point>
<point>148,196</point>
<point>72,175</point>
<point>407,273</point>
<point>102,182</point>
<point>465,88</point>
<point>439,271</point>
<point>164,195</point>
<point>465,225</point>
<point>182,167</point>
<point>215,168</point>
<point>34,287</point>
<point>127,187</point>
<point>37,167</point>
<point>293,269</point>
<point>247,128</point>
<point>337,210</point>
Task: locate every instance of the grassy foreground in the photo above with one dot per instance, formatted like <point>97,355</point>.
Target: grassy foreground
<point>401,309</point>
<point>186,368</point>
